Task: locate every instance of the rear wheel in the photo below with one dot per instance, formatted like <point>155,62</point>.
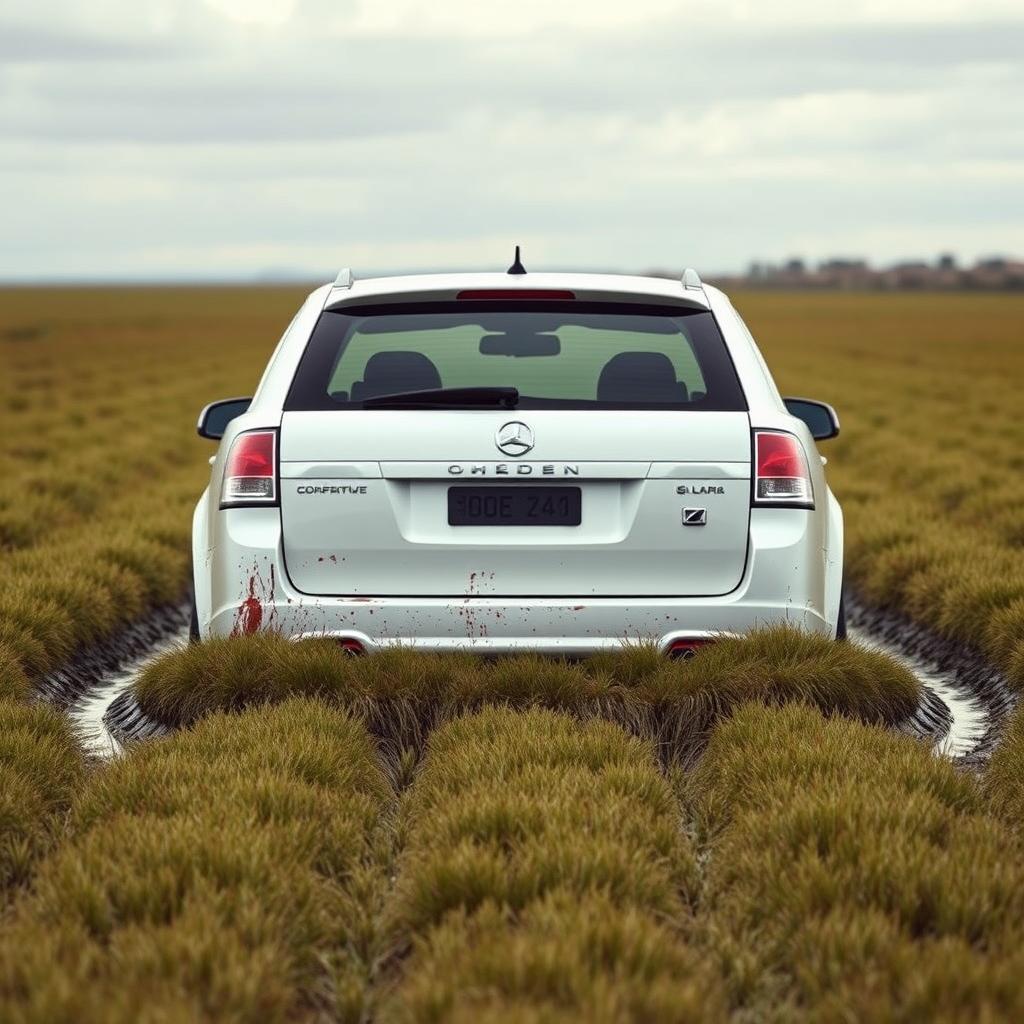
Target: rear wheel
<point>841,617</point>
<point>193,622</point>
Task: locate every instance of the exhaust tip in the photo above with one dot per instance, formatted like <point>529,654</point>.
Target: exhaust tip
<point>686,648</point>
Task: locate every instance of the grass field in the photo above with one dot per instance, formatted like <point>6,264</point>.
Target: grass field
<point>431,839</point>
<point>929,464</point>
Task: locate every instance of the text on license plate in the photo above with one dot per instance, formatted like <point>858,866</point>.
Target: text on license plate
<point>514,506</point>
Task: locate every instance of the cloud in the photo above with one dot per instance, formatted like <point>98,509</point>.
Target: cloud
<point>35,44</point>
<point>193,138</point>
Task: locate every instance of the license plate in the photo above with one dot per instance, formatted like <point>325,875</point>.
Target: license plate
<point>514,506</point>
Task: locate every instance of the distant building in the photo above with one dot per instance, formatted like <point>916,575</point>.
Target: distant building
<point>993,264</point>
<point>842,266</point>
<point>995,273</point>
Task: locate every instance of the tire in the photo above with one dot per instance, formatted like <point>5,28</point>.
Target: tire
<point>193,622</point>
<point>841,617</point>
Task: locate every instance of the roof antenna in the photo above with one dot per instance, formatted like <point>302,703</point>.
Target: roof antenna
<point>517,267</point>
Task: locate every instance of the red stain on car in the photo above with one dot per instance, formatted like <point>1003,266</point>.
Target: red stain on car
<point>250,613</point>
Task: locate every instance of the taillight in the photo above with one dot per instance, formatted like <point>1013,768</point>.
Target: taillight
<point>782,477</point>
<point>250,473</point>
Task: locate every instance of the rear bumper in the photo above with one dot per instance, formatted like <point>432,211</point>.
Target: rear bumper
<point>784,582</point>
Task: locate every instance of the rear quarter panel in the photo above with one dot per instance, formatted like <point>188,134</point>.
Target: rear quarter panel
<point>768,411</point>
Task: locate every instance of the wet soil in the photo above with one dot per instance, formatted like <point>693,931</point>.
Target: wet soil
<point>92,680</point>
<point>974,693</point>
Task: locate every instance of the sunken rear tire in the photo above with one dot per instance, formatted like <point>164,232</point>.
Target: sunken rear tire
<point>193,619</point>
<point>841,617</point>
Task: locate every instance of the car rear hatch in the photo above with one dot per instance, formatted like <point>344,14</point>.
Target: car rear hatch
<point>615,475</point>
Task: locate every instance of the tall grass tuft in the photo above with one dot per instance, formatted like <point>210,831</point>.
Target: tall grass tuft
<point>229,873</point>
<point>852,875</point>
<point>41,767</point>
<point>546,876</point>
<point>14,684</point>
<point>403,694</point>
<point>1003,778</point>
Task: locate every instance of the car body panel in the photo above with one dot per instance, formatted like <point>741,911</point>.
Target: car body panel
<point>783,543</point>
<point>391,535</point>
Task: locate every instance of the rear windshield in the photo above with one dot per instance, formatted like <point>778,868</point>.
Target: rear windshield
<point>573,355</point>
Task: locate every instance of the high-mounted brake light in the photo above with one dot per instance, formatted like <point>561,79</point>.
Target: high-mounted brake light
<point>516,295</point>
<point>250,473</point>
<point>782,477</point>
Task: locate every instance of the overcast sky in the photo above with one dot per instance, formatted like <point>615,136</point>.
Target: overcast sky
<point>236,138</point>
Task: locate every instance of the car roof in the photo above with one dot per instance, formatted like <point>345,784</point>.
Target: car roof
<point>445,287</point>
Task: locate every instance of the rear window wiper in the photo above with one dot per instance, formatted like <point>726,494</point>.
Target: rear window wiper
<point>507,398</point>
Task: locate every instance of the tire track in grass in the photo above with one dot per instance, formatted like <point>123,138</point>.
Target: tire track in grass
<point>95,667</point>
<point>91,681</point>
<point>957,719</point>
<point>975,693</point>
<point>88,711</point>
<point>545,877</point>
<point>964,702</point>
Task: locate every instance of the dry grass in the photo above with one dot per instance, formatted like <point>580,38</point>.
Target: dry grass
<point>101,464</point>
<point>1003,778</point>
<point>403,695</point>
<point>14,684</point>
<point>546,877</point>
<point>98,472</point>
<point>238,871</point>
<point>929,463</point>
<point>41,767</point>
<point>229,873</point>
<point>853,875</point>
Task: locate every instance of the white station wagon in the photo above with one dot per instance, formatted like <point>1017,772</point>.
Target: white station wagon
<point>509,462</point>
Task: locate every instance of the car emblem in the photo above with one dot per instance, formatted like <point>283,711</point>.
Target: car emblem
<point>514,438</point>
<point>695,517</point>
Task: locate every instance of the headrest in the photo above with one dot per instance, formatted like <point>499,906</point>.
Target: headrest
<point>640,377</point>
<point>390,373</point>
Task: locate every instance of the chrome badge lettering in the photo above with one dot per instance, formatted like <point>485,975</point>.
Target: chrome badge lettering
<point>700,489</point>
<point>513,469</point>
<point>331,489</point>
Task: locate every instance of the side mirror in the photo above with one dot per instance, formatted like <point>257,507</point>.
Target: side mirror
<point>214,419</point>
<point>821,418</point>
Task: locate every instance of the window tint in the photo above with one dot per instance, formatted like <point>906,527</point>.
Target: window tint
<point>569,356</point>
